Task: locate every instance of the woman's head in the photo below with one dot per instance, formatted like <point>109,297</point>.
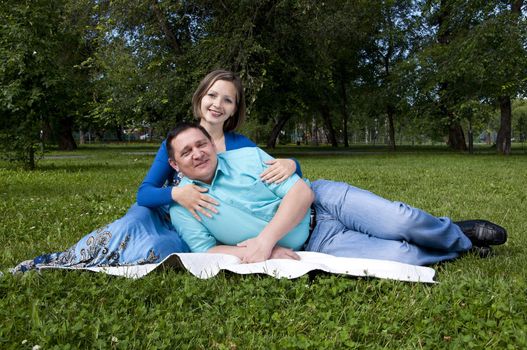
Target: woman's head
<point>217,100</point>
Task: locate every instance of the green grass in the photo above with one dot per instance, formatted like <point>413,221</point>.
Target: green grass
<point>479,303</point>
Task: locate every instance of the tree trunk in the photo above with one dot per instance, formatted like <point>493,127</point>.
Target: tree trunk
<point>516,6</point>
<point>456,137</point>
<point>344,111</point>
<point>390,112</point>
<point>31,158</point>
<point>164,25</point>
<point>119,133</point>
<point>82,139</point>
<point>279,125</point>
<point>470,137</point>
<point>503,140</point>
<point>326,117</point>
<point>65,139</point>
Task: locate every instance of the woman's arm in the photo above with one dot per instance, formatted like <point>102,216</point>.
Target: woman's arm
<point>151,192</point>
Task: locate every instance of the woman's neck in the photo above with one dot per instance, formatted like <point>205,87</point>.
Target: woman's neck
<point>217,135</point>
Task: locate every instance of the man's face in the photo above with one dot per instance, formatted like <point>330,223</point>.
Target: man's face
<point>195,155</point>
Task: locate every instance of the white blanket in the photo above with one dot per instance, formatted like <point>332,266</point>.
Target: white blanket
<point>204,265</point>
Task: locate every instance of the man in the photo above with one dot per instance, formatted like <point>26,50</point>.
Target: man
<point>257,221</point>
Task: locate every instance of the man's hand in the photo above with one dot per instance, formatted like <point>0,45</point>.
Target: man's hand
<point>283,253</point>
<point>256,250</point>
<point>191,197</point>
<point>278,171</point>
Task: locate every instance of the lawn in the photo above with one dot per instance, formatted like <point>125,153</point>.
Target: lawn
<point>478,303</point>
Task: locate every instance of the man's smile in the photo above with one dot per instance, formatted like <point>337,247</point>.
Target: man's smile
<point>201,163</point>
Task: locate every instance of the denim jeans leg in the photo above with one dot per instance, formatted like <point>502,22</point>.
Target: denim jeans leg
<point>365,213</point>
<point>331,237</point>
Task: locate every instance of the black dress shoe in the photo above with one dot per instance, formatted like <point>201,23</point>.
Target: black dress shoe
<point>483,233</point>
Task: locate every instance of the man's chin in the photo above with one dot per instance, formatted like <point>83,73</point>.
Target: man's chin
<point>203,175</point>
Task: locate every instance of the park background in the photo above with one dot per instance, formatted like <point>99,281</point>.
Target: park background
<point>315,72</point>
<point>419,101</point>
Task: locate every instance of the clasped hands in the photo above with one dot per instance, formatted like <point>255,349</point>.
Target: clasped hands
<point>258,249</point>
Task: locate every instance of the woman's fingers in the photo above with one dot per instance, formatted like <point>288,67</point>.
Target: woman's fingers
<point>194,214</point>
<point>278,170</point>
<point>208,200</point>
<point>271,173</point>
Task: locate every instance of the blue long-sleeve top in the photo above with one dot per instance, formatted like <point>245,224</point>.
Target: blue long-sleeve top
<point>152,192</point>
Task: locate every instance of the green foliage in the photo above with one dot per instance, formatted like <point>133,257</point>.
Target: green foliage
<point>478,303</point>
<point>329,67</point>
<point>42,89</point>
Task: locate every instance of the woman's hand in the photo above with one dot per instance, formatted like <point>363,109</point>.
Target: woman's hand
<point>256,250</point>
<point>279,170</point>
<point>191,197</point>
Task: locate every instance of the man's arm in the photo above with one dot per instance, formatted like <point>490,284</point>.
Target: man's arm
<point>291,211</point>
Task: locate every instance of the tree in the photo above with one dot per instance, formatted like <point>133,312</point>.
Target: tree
<point>39,78</point>
<point>512,63</point>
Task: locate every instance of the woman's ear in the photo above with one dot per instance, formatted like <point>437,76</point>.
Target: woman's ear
<point>173,164</point>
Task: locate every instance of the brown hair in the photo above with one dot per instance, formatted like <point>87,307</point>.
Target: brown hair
<point>239,116</point>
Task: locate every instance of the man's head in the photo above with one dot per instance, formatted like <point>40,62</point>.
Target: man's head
<point>192,152</point>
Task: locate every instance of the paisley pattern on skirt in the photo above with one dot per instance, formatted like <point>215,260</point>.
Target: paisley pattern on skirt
<point>142,236</point>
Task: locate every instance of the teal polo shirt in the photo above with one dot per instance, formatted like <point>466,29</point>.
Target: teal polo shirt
<point>246,204</point>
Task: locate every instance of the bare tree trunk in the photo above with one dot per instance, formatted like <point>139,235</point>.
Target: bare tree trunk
<point>65,139</point>
<point>456,137</point>
<point>470,137</point>
<point>119,133</point>
<point>390,111</point>
<point>82,139</point>
<point>503,140</point>
<point>326,117</point>
<point>344,111</point>
<point>279,125</point>
<point>31,158</point>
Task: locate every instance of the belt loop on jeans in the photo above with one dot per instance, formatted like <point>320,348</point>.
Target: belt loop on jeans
<point>312,224</point>
<point>312,220</point>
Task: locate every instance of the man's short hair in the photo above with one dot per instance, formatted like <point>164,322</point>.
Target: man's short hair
<point>180,127</point>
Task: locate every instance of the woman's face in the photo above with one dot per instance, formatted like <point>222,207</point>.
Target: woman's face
<point>218,104</point>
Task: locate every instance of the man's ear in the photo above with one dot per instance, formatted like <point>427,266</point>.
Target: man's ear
<point>173,164</point>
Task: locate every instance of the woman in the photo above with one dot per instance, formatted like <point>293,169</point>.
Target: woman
<point>145,234</point>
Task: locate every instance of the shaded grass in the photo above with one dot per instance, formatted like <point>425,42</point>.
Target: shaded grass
<point>479,303</point>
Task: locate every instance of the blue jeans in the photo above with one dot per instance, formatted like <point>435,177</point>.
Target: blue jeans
<point>356,223</point>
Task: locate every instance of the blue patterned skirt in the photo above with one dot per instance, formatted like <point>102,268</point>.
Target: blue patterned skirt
<point>142,236</point>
